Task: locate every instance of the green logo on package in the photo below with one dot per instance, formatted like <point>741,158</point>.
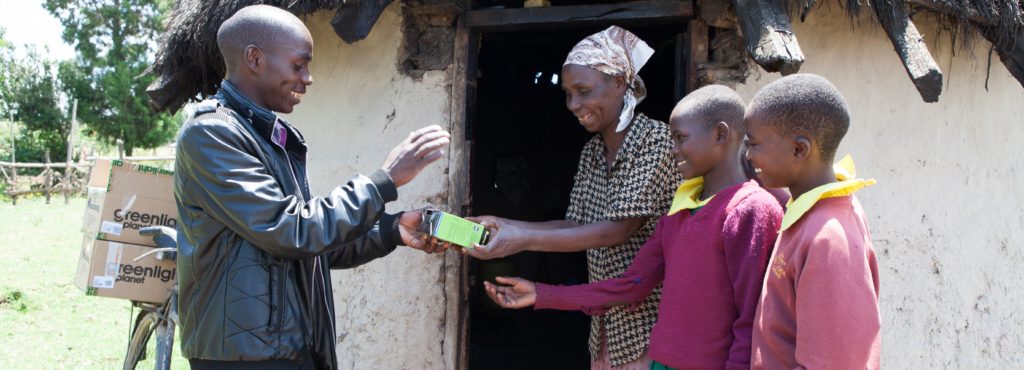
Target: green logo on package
<point>453,229</point>
<point>143,168</point>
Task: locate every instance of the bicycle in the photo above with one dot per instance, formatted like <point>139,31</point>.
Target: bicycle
<point>155,319</point>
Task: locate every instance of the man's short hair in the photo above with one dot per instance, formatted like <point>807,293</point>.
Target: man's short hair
<point>804,104</point>
<point>259,25</point>
<point>713,104</point>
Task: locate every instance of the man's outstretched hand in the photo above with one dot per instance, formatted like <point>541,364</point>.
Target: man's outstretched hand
<point>407,225</point>
<point>408,158</point>
<point>519,294</point>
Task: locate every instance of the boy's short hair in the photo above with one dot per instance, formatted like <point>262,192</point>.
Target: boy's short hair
<point>805,104</point>
<point>714,104</point>
<point>259,25</point>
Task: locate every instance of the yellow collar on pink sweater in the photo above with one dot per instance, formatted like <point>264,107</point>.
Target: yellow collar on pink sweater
<point>688,196</point>
<point>847,184</point>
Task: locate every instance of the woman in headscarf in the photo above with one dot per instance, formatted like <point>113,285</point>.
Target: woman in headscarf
<point>624,183</point>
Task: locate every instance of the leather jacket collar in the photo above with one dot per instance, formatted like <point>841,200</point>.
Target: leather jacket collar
<point>262,119</point>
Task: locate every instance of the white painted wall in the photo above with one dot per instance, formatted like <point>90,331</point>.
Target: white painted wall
<point>390,312</point>
<point>946,214</point>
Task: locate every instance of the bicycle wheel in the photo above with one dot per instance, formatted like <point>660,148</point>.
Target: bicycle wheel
<point>150,346</point>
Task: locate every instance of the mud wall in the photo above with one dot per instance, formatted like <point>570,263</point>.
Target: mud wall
<point>946,213</point>
<point>365,99</point>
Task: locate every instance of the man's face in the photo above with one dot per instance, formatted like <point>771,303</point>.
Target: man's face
<point>593,97</point>
<point>772,155</point>
<point>693,145</point>
<point>284,74</point>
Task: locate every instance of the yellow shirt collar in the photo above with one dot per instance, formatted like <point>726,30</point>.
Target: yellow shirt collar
<point>847,184</point>
<point>688,196</point>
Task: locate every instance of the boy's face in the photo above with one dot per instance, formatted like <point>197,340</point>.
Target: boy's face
<point>772,155</point>
<point>284,72</point>
<point>693,145</point>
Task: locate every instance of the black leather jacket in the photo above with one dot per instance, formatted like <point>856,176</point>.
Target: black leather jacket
<point>254,247</point>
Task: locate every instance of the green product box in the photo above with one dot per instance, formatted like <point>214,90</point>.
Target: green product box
<point>453,229</point>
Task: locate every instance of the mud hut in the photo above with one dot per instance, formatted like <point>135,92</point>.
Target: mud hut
<point>935,89</point>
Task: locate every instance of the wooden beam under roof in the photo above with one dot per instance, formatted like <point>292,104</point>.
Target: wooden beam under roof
<point>768,35</point>
<point>354,20</point>
<point>1009,47</point>
<point>635,12</point>
<point>913,52</point>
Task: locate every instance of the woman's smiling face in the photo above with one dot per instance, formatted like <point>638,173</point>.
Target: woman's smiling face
<point>595,98</point>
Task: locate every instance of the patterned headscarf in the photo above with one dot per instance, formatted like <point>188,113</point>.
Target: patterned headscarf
<point>616,52</point>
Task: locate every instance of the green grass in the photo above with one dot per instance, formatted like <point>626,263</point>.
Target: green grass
<point>45,321</point>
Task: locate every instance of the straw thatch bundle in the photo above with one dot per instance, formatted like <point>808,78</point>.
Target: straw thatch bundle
<point>188,64</point>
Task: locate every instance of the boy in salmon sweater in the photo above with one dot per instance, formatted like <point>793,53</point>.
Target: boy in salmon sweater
<point>710,251</point>
<point>819,305</point>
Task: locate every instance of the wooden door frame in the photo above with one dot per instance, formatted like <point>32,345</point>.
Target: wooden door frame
<point>470,26</point>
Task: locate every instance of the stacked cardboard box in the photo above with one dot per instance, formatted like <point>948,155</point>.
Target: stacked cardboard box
<point>123,198</point>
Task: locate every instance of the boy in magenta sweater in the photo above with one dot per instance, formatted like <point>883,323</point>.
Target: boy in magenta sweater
<point>710,251</point>
<point>819,305</point>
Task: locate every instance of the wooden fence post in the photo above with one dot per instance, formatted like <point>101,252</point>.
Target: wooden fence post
<point>14,159</point>
<point>46,175</point>
<point>71,145</point>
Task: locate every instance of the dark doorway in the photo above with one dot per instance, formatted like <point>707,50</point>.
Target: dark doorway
<point>526,146</point>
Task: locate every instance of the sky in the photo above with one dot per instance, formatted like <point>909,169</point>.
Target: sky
<point>28,23</point>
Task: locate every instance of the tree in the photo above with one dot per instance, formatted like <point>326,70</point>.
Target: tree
<point>36,95</point>
<point>114,40</point>
<point>5,104</point>
<point>6,58</point>
<point>31,93</point>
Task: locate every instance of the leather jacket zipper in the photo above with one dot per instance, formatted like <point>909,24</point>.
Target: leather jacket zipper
<point>327,305</point>
<point>316,273</point>
<point>282,276</point>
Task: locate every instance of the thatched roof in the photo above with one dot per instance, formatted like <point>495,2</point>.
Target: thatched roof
<point>771,43</point>
<point>188,63</point>
<point>999,21</point>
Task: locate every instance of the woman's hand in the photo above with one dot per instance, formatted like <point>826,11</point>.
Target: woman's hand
<point>521,292</point>
<point>506,239</point>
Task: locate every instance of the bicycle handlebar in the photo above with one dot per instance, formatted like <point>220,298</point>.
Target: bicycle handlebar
<point>155,250</point>
<point>166,240</point>
<point>164,236</point>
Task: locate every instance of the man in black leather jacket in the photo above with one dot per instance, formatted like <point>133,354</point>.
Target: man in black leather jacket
<point>255,247</point>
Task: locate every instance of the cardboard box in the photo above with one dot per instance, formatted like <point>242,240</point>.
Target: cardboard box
<point>125,197</point>
<point>109,269</point>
